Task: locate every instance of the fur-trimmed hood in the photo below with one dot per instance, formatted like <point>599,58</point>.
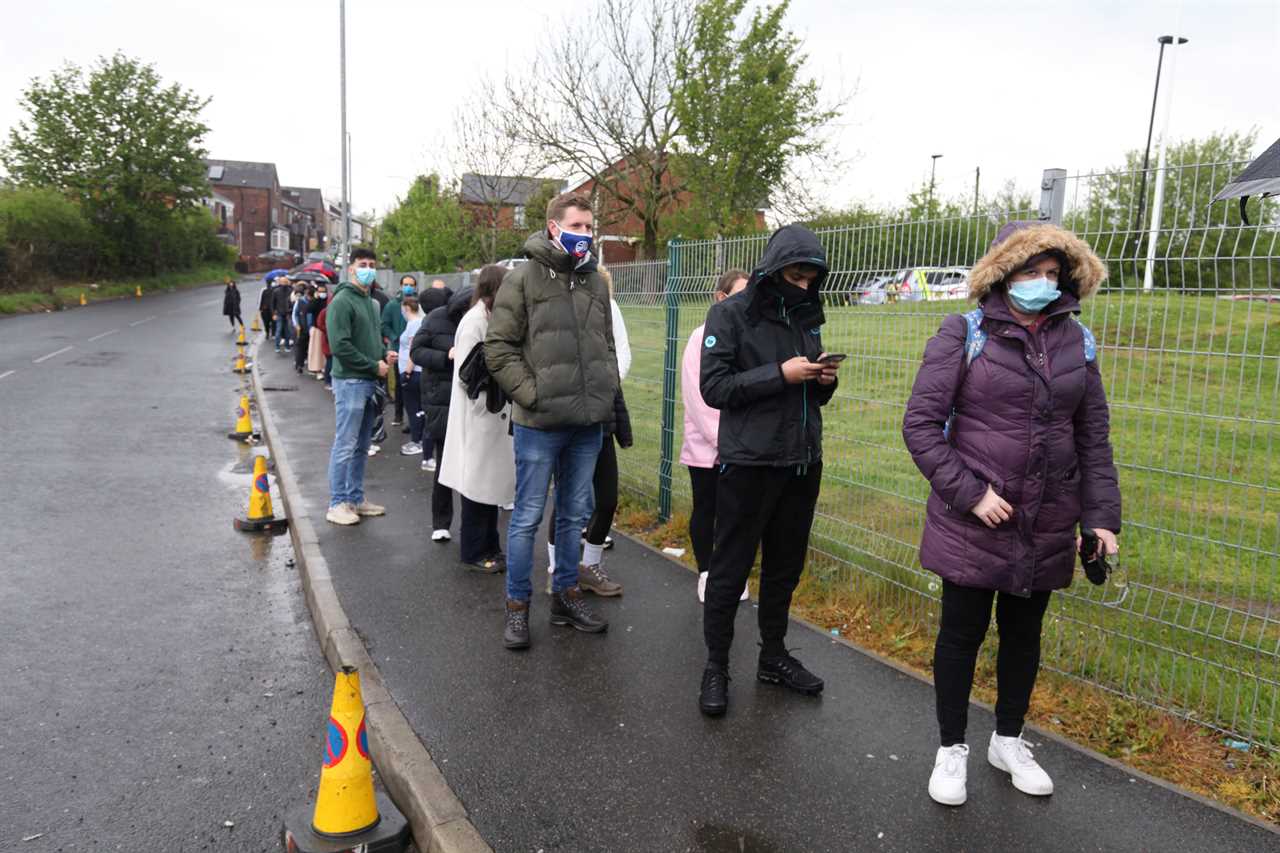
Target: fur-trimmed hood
<point>1020,240</point>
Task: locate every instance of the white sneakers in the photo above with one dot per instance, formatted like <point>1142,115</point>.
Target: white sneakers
<point>440,535</point>
<point>429,464</point>
<point>342,514</point>
<point>365,508</point>
<point>1010,754</point>
<point>702,589</point>
<point>410,448</point>
<point>1013,756</point>
<point>950,769</point>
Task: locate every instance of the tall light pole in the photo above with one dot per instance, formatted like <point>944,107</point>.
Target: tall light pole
<point>1157,203</point>
<point>1146,155</point>
<point>933,171</point>
<point>342,58</point>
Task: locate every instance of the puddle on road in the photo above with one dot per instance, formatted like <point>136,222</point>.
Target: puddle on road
<point>711,838</point>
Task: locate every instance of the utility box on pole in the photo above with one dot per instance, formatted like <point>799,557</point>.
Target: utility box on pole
<point>1053,195</point>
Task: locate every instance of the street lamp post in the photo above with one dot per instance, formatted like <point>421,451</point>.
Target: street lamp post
<point>1157,203</point>
<point>342,76</point>
<point>933,171</point>
<point>1146,155</point>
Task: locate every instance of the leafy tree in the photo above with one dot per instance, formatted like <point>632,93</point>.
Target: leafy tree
<point>428,229</point>
<point>43,235</point>
<point>122,143</point>
<point>746,114</point>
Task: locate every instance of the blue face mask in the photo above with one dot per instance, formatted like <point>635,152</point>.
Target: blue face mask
<point>578,245</point>
<point>366,276</point>
<point>1032,297</point>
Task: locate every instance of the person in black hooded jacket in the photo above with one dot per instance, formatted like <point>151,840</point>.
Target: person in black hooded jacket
<point>432,350</point>
<point>763,367</point>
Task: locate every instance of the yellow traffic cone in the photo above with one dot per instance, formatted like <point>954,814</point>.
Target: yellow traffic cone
<point>241,366</point>
<point>137,290</point>
<point>260,515</point>
<point>83,300</point>
<point>346,805</point>
<point>244,423</point>
<point>255,327</point>
<point>240,341</point>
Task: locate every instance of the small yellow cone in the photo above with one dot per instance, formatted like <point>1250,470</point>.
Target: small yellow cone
<point>83,300</point>
<point>240,367</point>
<point>255,327</point>
<point>345,803</point>
<point>244,422</point>
<point>240,341</point>
<point>260,515</point>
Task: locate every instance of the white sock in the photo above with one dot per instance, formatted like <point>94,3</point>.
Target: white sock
<point>591,554</point>
<point>551,558</point>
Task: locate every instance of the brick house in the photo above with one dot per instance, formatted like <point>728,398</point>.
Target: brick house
<point>260,220</point>
<point>308,232</point>
<point>498,201</point>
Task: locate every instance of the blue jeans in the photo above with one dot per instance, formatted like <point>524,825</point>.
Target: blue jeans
<point>352,435</point>
<point>570,456</point>
<point>284,331</point>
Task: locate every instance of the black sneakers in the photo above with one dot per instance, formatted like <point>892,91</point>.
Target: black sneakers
<point>516,633</point>
<point>788,672</point>
<point>713,698</point>
<point>569,608</point>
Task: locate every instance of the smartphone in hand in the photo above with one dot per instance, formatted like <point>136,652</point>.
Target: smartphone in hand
<point>832,358</point>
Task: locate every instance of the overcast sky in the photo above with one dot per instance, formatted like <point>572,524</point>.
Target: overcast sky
<point>1013,87</point>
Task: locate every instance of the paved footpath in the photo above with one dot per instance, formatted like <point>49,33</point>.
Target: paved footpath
<point>595,742</point>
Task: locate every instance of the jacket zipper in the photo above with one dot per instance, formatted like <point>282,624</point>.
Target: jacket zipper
<point>801,468</point>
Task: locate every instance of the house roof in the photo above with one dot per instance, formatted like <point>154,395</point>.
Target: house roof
<point>501,189</point>
<point>308,197</point>
<point>242,173</point>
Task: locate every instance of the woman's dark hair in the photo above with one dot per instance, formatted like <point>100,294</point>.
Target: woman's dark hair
<point>410,302</point>
<point>487,285</point>
<point>413,282</point>
<point>726,281</point>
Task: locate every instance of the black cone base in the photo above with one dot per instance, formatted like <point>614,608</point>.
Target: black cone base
<point>390,835</point>
<point>261,525</point>
<point>245,436</point>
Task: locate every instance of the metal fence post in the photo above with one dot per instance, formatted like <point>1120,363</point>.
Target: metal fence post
<point>1053,195</point>
<point>669,368</point>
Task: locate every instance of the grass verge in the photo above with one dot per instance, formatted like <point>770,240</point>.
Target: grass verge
<point>68,296</point>
<point>1191,756</point>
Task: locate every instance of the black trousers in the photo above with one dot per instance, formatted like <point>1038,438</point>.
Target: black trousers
<point>300,350</point>
<point>400,398</point>
<point>478,536</point>
<point>966,613</point>
<point>772,508</point>
<point>235,318</point>
<point>604,482</point>
<point>412,384</point>
<point>702,521</point>
<point>441,495</point>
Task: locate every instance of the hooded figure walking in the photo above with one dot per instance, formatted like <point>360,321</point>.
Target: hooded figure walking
<point>764,368</point>
<point>1008,421</point>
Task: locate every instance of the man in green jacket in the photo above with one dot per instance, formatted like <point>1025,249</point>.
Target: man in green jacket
<point>360,360</point>
<point>393,324</point>
<point>550,348</point>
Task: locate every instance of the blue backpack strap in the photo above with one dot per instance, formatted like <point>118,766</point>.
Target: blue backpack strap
<point>1090,343</point>
<point>974,336</point>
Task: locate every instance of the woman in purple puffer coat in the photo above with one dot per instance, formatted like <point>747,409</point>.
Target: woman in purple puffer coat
<point>1008,421</point>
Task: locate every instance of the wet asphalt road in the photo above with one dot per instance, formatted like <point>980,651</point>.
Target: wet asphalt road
<point>595,743</point>
<point>162,677</point>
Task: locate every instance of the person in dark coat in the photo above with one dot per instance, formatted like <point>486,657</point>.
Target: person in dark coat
<point>265,309</point>
<point>763,367</point>
<point>432,350</point>
<point>282,312</point>
<point>429,299</point>
<point>1008,421</point>
<point>231,305</point>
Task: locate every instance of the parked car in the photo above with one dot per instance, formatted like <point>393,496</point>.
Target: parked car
<point>319,256</point>
<point>917,284</point>
<point>873,291</point>
<point>282,256</point>
<point>511,263</point>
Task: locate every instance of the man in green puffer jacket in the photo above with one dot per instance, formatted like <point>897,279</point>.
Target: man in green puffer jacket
<point>550,348</point>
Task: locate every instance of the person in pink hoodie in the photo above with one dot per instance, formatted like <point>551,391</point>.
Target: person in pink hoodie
<point>701,438</point>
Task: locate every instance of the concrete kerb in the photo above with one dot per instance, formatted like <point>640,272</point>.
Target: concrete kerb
<point>1061,740</point>
<point>416,785</point>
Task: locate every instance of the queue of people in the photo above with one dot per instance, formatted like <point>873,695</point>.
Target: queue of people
<point>512,395</point>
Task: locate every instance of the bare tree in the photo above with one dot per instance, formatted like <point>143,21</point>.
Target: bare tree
<point>596,101</point>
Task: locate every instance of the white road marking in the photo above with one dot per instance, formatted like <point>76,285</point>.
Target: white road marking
<point>140,322</point>
<point>103,335</point>
<point>7,373</point>
<point>51,355</point>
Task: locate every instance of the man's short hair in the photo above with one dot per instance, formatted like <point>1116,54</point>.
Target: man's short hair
<point>558,205</point>
<point>362,253</point>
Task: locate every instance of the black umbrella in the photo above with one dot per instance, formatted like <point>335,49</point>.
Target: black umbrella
<point>1260,178</point>
<point>309,276</point>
